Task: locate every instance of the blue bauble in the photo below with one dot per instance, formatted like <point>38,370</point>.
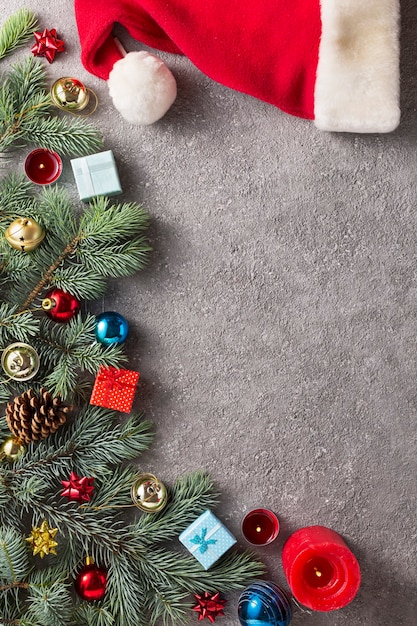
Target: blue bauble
<point>111,328</point>
<point>264,604</point>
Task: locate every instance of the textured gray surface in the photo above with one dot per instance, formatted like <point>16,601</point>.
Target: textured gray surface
<point>275,327</point>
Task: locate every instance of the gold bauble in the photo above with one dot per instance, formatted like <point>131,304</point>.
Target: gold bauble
<point>69,94</point>
<point>20,361</point>
<point>149,494</point>
<point>11,449</point>
<point>24,234</point>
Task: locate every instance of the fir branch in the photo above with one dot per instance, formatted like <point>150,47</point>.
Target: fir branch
<point>14,562</point>
<point>14,325</point>
<point>48,274</point>
<point>188,498</point>
<point>25,107</point>
<point>53,133</point>
<point>17,30</point>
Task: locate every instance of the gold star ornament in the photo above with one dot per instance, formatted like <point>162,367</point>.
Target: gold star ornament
<point>41,539</point>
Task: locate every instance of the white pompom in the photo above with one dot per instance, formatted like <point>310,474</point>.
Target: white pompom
<point>142,87</point>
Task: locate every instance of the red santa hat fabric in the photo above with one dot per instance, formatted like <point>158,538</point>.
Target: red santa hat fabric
<point>334,61</point>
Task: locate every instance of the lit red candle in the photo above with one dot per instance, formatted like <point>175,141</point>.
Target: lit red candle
<point>260,527</point>
<point>322,572</point>
<point>43,167</point>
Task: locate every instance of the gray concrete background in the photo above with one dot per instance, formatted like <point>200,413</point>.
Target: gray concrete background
<point>275,326</point>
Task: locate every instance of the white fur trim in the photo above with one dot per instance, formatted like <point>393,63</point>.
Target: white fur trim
<point>357,83</point>
<point>142,87</point>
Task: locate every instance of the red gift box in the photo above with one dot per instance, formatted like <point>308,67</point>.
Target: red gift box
<point>114,388</point>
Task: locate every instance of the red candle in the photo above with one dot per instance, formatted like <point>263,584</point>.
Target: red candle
<point>322,572</point>
<point>43,167</point>
<point>260,527</point>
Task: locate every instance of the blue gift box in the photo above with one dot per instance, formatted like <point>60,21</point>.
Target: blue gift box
<point>207,539</point>
<point>96,175</point>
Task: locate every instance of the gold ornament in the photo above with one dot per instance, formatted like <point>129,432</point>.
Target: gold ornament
<point>24,234</point>
<point>149,494</point>
<point>70,94</point>
<point>41,539</point>
<point>20,361</point>
<point>11,449</point>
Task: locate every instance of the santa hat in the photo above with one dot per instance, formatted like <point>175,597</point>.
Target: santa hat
<point>333,61</point>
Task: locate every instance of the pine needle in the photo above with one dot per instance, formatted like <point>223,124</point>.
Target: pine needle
<point>16,31</point>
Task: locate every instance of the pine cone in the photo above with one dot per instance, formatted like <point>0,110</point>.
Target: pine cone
<point>32,418</point>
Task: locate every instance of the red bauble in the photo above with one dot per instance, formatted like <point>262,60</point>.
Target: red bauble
<point>60,306</point>
<point>91,581</point>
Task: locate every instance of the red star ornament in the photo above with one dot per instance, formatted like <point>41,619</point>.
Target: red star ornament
<point>78,488</point>
<point>47,44</point>
<point>210,606</point>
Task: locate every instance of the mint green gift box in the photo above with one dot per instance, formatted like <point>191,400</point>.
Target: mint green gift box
<point>96,175</point>
<point>207,539</point>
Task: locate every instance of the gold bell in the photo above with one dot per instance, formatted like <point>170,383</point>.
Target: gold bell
<point>149,494</point>
<point>20,361</point>
<point>70,94</point>
<point>11,449</point>
<point>24,234</point>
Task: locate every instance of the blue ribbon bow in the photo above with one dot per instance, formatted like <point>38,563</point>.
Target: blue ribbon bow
<point>202,541</point>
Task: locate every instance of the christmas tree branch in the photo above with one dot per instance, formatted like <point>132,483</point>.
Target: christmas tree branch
<point>17,30</point>
<point>47,277</point>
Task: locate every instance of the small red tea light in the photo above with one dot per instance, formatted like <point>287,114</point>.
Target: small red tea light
<point>321,571</point>
<point>260,527</point>
<point>43,167</point>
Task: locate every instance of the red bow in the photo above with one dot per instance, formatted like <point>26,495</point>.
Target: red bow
<point>77,488</point>
<point>47,44</point>
<point>209,606</point>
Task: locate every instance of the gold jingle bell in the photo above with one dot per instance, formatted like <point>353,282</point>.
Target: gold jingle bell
<point>20,361</point>
<point>11,449</point>
<point>24,234</point>
<point>70,94</point>
<point>149,494</point>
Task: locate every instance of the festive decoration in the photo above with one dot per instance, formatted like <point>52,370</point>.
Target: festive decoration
<point>47,44</point>
<point>43,167</point>
<point>60,306</point>
<point>96,175</point>
<point>209,606</point>
<point>311,61</point>
<point>91,581</point>
<point>31,417</point>
<point>42,539</point>
<point>264,604</point>
<point>207,539</point>
<point>83,248</point>
<point>322,572</point>
<point>26,116</point>
<point>78,488</point>
<point>24,234</point>
<point>20,361</point>
<point>142,87</point>
<point>260,527</point>
<point>71,95</point>
<point>111,328</point>
<point>11,449</point>
<point>114,388</point>
<point>149,494</point>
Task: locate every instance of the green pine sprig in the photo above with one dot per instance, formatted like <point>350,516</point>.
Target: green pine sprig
<point>78,254</point>
<point>17,30</point>
<point>26,116</point>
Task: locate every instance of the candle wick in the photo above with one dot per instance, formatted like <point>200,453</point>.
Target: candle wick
<point>41,166</point>
<point>258,529</point>
<point>317,572</point>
